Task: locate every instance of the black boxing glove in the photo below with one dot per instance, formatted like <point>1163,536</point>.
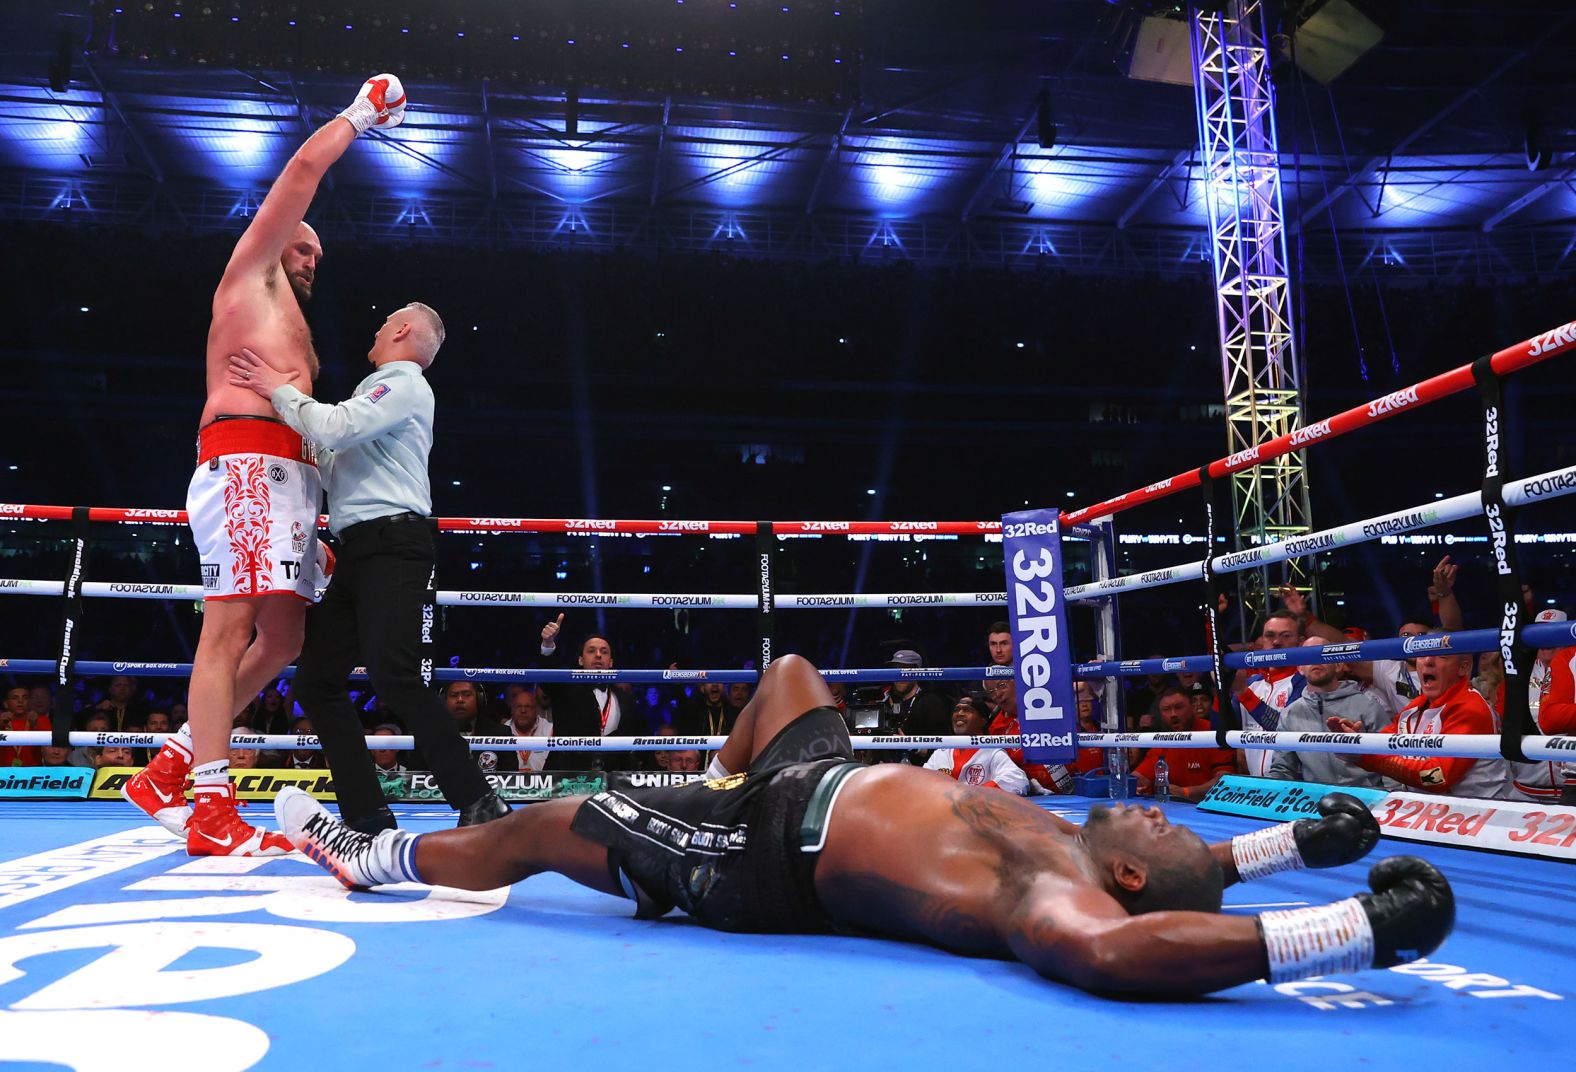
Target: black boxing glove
<point>1345,834</point>
<point>1408,915</point>
<point>1411,910</point>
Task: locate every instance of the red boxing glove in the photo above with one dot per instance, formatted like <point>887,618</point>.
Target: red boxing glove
<point>323,566</point>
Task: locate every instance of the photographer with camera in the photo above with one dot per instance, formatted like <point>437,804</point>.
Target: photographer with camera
<point>903,707</point>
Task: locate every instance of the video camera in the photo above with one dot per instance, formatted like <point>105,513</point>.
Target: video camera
<point>866,711</point>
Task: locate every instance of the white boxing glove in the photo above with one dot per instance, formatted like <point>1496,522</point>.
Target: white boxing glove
<point>381,103</point>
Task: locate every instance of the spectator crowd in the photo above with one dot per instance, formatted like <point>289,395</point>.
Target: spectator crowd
<point>1437,692</point>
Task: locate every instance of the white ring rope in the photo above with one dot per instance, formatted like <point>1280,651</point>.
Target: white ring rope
<point>136,590</point>
<point>1548,485</point>
<point>1555,748</point>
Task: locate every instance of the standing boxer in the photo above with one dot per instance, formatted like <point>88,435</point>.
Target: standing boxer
<point>252,503</point>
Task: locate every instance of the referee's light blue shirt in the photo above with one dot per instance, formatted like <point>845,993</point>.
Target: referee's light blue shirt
<point>372,447</point>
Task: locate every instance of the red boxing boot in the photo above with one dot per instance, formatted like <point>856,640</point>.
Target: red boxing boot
<point>160,788</point>
<point>216,829</point>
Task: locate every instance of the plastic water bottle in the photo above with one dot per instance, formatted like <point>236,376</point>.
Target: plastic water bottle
<point>1162,781</point>
<point>1116,767</point>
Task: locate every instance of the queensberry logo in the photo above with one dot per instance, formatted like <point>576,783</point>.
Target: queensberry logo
<point>1433,642</point>
<point>377,393</point>
<point>683,675</point>
<point>1168,665</point>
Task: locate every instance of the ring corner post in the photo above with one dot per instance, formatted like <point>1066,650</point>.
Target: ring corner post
<point>1041,647</point>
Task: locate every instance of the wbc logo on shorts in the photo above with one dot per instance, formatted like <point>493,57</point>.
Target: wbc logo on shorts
<point>297,538</point>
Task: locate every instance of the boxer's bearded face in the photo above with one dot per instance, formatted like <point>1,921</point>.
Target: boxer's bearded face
<point>299,263</point>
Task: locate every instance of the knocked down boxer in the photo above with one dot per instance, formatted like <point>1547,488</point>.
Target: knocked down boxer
<point>803,839</point>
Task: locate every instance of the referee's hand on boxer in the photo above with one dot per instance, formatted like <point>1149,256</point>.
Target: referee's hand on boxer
<point>249,370</point>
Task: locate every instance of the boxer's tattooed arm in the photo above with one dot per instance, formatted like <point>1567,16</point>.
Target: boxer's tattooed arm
<point>1025,843</point>
<point>993,813</point>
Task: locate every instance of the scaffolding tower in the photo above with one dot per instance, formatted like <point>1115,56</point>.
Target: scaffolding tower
<point>1242,191</point>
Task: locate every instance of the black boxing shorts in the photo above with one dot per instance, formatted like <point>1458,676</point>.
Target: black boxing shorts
<point>730,851</point>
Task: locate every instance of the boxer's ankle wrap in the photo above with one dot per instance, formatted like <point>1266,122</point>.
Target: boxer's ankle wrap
<point>1266,852</point>
<point>1329,940</point>
<point>361,114</point>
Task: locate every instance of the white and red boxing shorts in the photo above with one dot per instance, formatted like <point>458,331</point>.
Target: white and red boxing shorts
<point>252,506</point>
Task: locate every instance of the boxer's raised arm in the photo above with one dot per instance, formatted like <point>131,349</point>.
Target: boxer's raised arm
<point>291,194</point>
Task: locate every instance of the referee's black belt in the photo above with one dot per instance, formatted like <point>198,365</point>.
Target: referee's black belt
<point>363,529</point>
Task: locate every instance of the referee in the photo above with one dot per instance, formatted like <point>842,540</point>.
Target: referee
<point>372,453</point>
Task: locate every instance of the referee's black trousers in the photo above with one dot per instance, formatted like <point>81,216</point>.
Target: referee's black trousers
<point>376,611</point>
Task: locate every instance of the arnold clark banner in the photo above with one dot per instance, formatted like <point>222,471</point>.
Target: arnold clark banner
<point>250,784</point>
<point>1042,665</point>
<point>40,783</point>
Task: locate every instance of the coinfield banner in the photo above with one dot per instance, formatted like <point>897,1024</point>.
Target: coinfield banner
<point>1042,663</point>
<point>249,784</point>
<point>1269,798</point>
<point>38,783</point>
